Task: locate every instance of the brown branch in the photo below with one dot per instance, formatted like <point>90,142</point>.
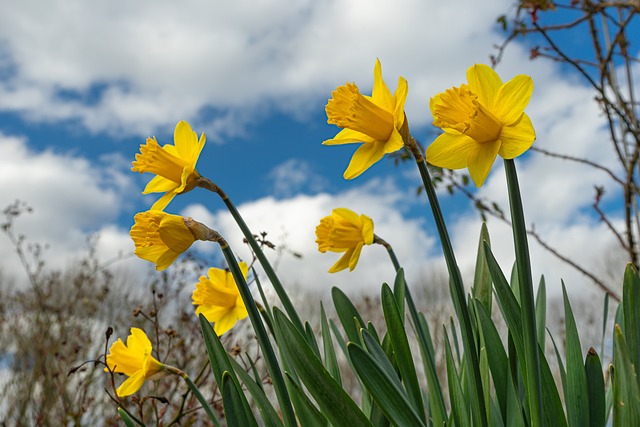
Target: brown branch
<point>580,160</point>
<point>575,265</point>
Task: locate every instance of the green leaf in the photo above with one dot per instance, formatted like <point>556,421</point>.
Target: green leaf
<point>496,356</point>
<point>576,391</point>
<point>311,338</point>
<point>330,360</point>
<point>595,384</point>
<point>220,361</point>
<point>308,414</point>
<point>437,413</point>
<point>605,315</point>
<point>459,409</point>
<point>541,312</point>
<point>235,411</point>
<point>554,413</point>
<point>399,291</point>
<point>377,352</point>
<point>218,358</point>
<point>383,388</point>
<point>631,305</point>
<point>482,284</point>
<point>626,391</point>
<point>126,418</point>
<point>268,413</point>
<point>404,358</point>
<point>347,312</point>
<point>334,403</point>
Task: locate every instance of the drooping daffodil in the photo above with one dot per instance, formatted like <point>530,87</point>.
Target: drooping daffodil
<point>135,360</point>
<point>374,121</point>
<point>344,231</point>
<point>217,298</point>
<point>160,237</point>
<point>481,120</point>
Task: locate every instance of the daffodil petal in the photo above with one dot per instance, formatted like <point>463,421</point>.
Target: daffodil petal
<point>342,263</point>
<point>365,156</point>
<point>512,99</point>
<point>400,97</point>
<point>346,214</point>
<point>225,323</point>
<point>367,229</point>
<point>450,151</point>
<point>481,159</point>
<point>484,82</point>
<point>131,384</point>
<point>175,234</point>
<point>120,359</point>
<point>138,340</point>
<point>381,95</point>
<point>163,201</point>
<point>186,140</point>
<point>159,184</point>
<point>348,136</point>
<point>517,139</point>
<point>166,259</point>
<point>355,256</point>
<point>394,143</point>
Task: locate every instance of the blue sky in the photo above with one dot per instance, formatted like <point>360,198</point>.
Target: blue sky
<point>82,84</point>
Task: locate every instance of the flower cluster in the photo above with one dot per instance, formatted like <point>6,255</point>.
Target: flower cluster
<point>480,120</point>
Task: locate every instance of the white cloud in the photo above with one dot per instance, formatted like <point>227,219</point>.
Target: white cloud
<point>294,176</point>
<point>122,67</point>
<point>134,68</point>
<point>70,197</point>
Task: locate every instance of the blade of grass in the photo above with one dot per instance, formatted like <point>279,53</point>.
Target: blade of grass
<point>400,343</point>
<point>525,285</point>
<point>334,403</point>
<point>576,391</point>
<point>595,385</point>
<point>232,399</point>
<point>384,390</point>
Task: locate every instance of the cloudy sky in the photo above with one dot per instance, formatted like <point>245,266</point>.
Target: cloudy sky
<point>82,84</point>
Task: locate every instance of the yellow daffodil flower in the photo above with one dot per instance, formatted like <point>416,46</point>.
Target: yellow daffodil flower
<point>218,299</point>
<point>481,120</point>
<point>135,361</point>
<point>174,165</point>
<point>344,231</point>
<point>160,237</point>
<point>372,120</point>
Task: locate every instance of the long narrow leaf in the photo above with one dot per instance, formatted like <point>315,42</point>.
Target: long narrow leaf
<point>404,358</point>
<point>334,403</point>
<point>626,391</point>
<point>595,384</point>
<point>384,390</point>
<point>631,304</point>
<point>459,409</point>
<point>576,392</point>
<point>234,409</point>
<point>541,312</point>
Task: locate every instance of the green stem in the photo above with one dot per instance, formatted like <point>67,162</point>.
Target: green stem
<point>527,302</point>
<point>262,337</point>
<point>458,296</point>
<point>268,269</point>
<point>200,397</point>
